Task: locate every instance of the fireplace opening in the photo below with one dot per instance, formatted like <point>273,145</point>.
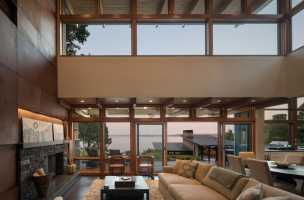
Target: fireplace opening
<point>55,164</point>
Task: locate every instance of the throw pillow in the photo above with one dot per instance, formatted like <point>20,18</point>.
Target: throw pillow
<point>188,169</point>
<point>225,177</point>
<point>252,193</point>
<point>178,165</point>
<point>278,198</point>
<point>201,171</point>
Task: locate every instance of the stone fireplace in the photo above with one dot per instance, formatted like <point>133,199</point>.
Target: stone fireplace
<point>50,158</point>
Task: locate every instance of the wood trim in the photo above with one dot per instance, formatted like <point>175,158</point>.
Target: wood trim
<point>37,116</point>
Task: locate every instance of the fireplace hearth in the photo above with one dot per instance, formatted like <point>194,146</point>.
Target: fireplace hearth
<point>50,158</point>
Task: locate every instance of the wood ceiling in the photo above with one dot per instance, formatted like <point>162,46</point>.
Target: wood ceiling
<point>232,103</point>
<point>156,7</point>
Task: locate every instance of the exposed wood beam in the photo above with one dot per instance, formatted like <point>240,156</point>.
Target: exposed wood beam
<point>100,7</point>
<point>133,101</point>
<point>100,102</point>
<point>171,7</point>
<point>162,6</point>
<point>169,102</point>
<point>222,6</point>
<point>205,102</point>
<point>64,104</point>
<point>191,6</point>
<point>240,103</point>
<point>69,7</point>
<point>271,102</point>
<point>258,5</point>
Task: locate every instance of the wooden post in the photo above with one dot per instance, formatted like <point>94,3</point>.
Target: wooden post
<point>209,28</point>
<point>133,141</point>
<point>133,27</point>
<point>102,148</point>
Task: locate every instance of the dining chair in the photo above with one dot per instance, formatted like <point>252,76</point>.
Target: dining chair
<point>294,159</point>
<point>116,165</point>
<point>236,164</point>
<point>145,165</point>
<point>260,171</point>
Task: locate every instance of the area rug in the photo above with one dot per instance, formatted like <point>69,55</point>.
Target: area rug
<point>94,191</point>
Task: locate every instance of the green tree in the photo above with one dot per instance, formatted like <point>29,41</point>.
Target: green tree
<point>89,135</point>
<point>76,34</point>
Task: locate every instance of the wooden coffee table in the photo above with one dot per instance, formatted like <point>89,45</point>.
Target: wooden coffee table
<point>139,192</point>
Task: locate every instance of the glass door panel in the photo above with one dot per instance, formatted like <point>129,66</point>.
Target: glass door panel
<point>86,145</point>
<point>237,138</point>
<point>150,142</point>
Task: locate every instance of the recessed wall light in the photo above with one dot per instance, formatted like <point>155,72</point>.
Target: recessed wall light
<point>185,100</point>
<point>82,101</point>
<point>150,101</point>
<point>145,108</point>
<point>253,100</point>
<point>219,101</point>
<point>116,100</point>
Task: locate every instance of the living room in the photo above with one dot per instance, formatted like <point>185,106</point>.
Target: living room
<point>151,99</point>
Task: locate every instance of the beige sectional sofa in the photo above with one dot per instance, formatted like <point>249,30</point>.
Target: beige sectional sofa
<point>211,183</point>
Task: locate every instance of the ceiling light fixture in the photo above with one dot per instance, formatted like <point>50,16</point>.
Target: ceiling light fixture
<point>145,108</point>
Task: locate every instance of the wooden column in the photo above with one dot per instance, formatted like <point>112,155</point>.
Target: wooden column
<point>209,28</point>
<point>58,29</point>
<point>133,27</point>
<point>102,141</point>
<point>284,28</point>
<point>165,134</point>
<point>293,122</point>
<point>133,141</point>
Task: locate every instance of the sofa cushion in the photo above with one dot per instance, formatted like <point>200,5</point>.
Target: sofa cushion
<point>178,165</point>
<point>201,171</point>
<point>167,179</point>
<point>225,177</point>
<point>194,192</point>
<point>269,191</point>
<point>187,169</point>
<point>252,193</point>
<point>277,198</point>
<point>232,193</point>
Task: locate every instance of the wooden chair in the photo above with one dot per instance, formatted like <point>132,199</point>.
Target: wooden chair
<point>236,164</point>
<point>145,166</point>
<point>116,165</point>
<point>260,171</point>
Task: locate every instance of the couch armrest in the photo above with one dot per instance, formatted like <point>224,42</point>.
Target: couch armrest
<point>168,169</point>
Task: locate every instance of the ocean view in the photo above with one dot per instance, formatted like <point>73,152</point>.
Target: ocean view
<point>122,142</point>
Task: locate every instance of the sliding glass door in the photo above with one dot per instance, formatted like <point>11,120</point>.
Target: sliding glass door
<point>237,137</point>
<point>150,142</point>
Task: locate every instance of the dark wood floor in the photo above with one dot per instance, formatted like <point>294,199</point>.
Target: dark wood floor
<point>79,189</point>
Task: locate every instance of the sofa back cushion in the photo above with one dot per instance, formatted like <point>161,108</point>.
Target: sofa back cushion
<point>225,177</point>
<point>187,169</point>
<point>201,171</point>
<point>178,165</point>
<point>228,183</point>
